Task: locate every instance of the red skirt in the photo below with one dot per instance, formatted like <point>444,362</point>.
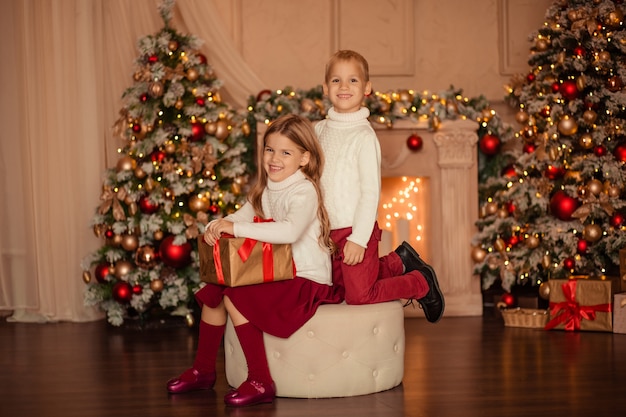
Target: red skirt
<point>277,308</point>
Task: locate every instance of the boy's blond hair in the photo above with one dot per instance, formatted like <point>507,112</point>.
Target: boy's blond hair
<point>347,55</point>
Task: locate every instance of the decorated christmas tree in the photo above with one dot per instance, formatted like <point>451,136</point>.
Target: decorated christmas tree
<point>186,159</point>
<point>558,209</point>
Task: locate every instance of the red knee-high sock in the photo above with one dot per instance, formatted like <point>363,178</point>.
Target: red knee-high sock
<point>209,340</point>
<point>251,339</point>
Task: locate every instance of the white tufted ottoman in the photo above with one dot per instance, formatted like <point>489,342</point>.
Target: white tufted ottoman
<point>344,350</point>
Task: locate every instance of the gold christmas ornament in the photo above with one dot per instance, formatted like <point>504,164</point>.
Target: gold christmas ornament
<point>116,240</point>
<point>604,56</point>
<point>172,45</point>
<point>614,84</point>
<point>139,173</point>
<point>149,184</point>
<point>478,254</point>
<point>222,130</point>
<point>156,285</point>
<point>307,105</point>
<point>581,83</point>
<point>613,191</point>
<point>546,261</point>
<point>210,128</point>
<point>158,235</point>
<point>567,126</point>
<point>125,163</point>
<point>521,117</point>
<point>86,277</point>
<point>192,74</point>
<point>532,242</point>
<point>123,268</point>
<point>595,186</point>
<point>145,257</point>
<point>168,194</point>
<point>132,208</point>
<point>586,141</point>
<point>592,233</point>
<point>245,128</point>
<point>542,44</point>
<point>130,242</point>
<point>615,18</point>
<point>156,89</point>
<point>544,290</point>
<point>170,147</point>
<point>499,244</point>
<point>405,95</point>
<point>491,208</point>
<point>503,213</point>
<point>179,104</point>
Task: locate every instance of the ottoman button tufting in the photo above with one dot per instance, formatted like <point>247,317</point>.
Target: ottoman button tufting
<point>345,354</point>
<point>310,334</point>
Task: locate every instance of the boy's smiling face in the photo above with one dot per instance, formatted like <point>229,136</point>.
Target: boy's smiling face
<point>346,86</point>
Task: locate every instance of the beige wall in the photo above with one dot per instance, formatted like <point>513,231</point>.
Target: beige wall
<point>421,44</point>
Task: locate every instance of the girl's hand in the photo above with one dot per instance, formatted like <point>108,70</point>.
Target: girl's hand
<point>352,253</point>
<point>216,228</point>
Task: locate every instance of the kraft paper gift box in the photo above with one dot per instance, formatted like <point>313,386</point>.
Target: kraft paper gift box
<point>581,304</point>
<point>235,262</point>
<point>619,313</point>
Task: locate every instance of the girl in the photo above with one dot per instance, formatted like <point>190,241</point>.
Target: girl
<point>288,192</point>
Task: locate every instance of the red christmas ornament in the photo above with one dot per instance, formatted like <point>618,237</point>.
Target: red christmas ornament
<point>414,142</point>
<point>157,156</point>
<point>153,59</point>
<point>581,246</point>
<point>136,127</point>
<point>109,234</point>
<point>144,97</point>
<point>509,171</point>
<point>489,144</point>
<point>531,77</point>
<point>508,299</point>
<point>146,206</point>
<point>617,220</point>
<point>175,256</point>
<point>214,209</point>
<point>579,50</point>
<point>553,172</point>
<point>512,241</point>
<point>137,289</point>
<point>563,206</point>
<point>122,292</point>
<point>202,58</point>
<point>200,101</point>
<point>599,150</point>
<point>197,131</point>
<point>555,87</point>
<point>529,148</point>
<point>101,272</point>
<point>545,112</point>
<point>510,207</point>
<point>569,263</point>
<point>620,152</point>
<point>568,90</point>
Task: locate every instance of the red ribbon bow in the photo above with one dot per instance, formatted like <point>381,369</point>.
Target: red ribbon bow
<point>570,311</point>
<point>244,253</point>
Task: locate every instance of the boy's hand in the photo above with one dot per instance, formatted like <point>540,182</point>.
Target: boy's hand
<point>352,253</point>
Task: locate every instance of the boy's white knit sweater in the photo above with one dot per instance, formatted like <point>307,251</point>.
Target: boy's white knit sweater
<point>292,204</point>
<point>351,177</point>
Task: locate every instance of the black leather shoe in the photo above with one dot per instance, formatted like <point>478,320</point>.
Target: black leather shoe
<point>433,302</point>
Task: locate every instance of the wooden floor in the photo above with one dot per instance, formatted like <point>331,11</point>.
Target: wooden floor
<point>460,367</point>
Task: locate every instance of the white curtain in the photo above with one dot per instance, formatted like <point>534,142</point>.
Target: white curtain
<point>65,66</point>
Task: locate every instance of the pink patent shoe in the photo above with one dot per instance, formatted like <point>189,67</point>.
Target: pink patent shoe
<point>251,393</point>
<point>191,380</point>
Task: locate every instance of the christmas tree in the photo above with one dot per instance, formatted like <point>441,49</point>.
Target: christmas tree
<point>186,159</point>
<point>558,206</point>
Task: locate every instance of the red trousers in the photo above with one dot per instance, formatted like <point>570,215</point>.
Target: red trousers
<point>376,279</point>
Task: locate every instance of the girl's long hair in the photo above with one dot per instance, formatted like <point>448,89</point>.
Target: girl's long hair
<point>300,131</point>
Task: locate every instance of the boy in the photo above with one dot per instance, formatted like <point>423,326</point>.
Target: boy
<point>351,186</point>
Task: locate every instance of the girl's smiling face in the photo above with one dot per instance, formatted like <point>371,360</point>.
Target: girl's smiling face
<point>282,158</point>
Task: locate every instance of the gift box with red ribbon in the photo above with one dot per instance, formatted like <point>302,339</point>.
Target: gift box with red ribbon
<point>234,262</point>
<point>619,313</point>
<point>581,304</point>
